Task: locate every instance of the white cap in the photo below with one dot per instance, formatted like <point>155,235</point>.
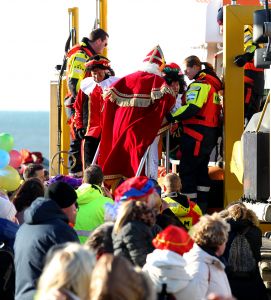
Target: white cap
<point>7,209</point>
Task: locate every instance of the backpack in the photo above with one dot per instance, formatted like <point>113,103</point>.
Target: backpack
<point>241,259</point>
<point>7,273</point>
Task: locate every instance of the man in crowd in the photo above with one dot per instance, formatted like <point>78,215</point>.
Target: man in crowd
<point>92,198</point>
<point>46,224</point>
<point>34,171</point>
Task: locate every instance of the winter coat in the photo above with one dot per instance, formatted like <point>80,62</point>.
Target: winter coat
<point>165,266</point>
<point>134,241</point>
<point>8,232</point>
<point>91,203</point>
<point>45,226</point>
<point>207,272</point>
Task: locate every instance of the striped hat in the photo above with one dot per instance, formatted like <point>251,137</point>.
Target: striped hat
<point>173,238</point>
<point>134,188</point>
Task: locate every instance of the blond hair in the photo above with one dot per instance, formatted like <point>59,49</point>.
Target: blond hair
<point>239,211</point>
<point>69,268</point>
<point>172,182</point>
<point>211,231</point>
<point>114,277</point>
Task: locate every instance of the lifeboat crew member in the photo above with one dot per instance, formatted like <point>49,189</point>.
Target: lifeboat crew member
<point>199,115</point>
<point>253,77</point>
<point>76,71</point>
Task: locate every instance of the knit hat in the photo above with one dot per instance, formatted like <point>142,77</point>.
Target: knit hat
<point>62,193</point>
<point>173,238</point>
<point>156,56</point>
<point>98,61</point>
<point>134,188</point>
<point>7,209</point>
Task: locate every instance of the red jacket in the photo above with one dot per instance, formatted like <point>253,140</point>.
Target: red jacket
<point>88,107</point>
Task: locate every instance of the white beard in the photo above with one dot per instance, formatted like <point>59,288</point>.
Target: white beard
<point>150,68</point>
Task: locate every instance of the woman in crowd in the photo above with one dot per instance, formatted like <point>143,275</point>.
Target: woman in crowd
<point>31,189</point>
<point>114,277</point>
<point>203,262</point>
<point>165,265</point>
<point>132,233</point>
<point>67,274</point>
<point>243,253</point>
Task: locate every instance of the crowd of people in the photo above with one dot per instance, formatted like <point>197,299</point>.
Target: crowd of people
<point>85,242</point>
<point>82,237</point>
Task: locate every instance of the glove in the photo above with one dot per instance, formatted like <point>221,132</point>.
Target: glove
<point>241,60</point>
<point>81,133</point>
<point>169,118</point>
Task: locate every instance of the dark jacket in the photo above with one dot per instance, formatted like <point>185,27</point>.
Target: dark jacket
<point>45,226</point>
<point>8,231</point>
<point>134,241</point>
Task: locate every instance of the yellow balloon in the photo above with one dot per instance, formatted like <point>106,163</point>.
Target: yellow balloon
<point>9,179</point>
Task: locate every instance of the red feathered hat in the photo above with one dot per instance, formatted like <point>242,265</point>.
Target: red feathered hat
<point>172,67</point>
<point>97,61</point>
<point>134,188</point>
<point>156,56</point>
<point>173,238</point>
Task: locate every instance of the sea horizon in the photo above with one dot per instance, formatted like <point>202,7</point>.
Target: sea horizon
<point>30,129</point>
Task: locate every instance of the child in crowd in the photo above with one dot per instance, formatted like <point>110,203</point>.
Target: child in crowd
<point>186,210</point>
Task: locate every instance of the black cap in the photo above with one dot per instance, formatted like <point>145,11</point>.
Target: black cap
<point>62,193</point>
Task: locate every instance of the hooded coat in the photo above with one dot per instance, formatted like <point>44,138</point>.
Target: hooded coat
<point>165,266</point>
<point>207,272</point>
<point>45,226</point>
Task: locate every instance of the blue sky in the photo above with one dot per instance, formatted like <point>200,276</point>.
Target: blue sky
<point>33,35</point>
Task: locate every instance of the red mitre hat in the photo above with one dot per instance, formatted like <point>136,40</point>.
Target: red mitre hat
<point>173,238</point>
<point>156,56</point>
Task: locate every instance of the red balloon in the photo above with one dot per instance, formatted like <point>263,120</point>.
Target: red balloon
<point>15,159</point>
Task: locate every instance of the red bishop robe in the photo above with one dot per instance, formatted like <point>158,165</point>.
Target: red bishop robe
<point>134,109</point>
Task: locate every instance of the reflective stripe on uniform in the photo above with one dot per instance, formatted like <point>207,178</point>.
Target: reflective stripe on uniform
<point>203,188</point>
<point>190,195</point>
<point>83,232</point>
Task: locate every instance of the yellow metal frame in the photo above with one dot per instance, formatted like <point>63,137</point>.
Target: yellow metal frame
<point>65,135</point>
<point>74,12</point>
<point>103,19</point>
<point>65,130</point>
<point>235,17</point>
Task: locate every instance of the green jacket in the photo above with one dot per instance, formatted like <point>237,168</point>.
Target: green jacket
<point>91,209</point>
